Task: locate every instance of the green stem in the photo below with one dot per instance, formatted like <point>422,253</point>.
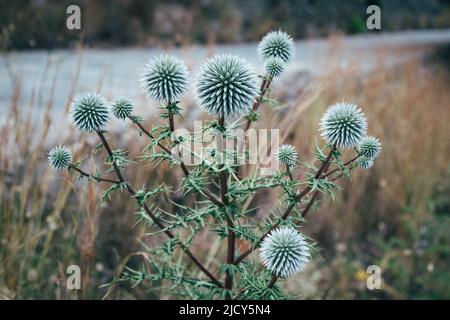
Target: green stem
<point>288,210</point>
<point>153,216</point>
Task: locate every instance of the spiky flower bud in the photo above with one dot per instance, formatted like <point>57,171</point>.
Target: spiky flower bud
<point>226,86</point>
<point>165,78</point>
<point>274,67</point>
<point>364,162</point>
<point>89,112</point>
<point>287,154</point>
<point>284,252</point>
<point>276,44</point>
<point>343,125</point>
<point>122,108</point>
<point>369,147</point>
<point>60,157</point>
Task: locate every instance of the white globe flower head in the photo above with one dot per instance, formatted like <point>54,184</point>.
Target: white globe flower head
<point>89,112</point>
<point>165,78</point>
<point>364,162</point>
<point>287,154</point>
<point>369,147</point>
<point>122,108</point>
<point>285,252</point>
<point>343,125</point>
<point>274,67</point>
<point>60,157</point>
<point>226,86</point>
<point>276,44</point>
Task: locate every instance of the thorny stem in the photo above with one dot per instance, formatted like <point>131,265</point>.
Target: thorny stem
<point>171,120</point>
<point>272,281</point>
<point>150,135</point>
<point>153,217</point>
<point>310,203</point>
<point>265,84</point>
<point>315,194</point>
<point>172,130</point>
<point>338,176</point>
<point>289,172</point>
<point>344,165</point>
<point>325,164</point>
<point>231,238</point>
<point>289,209</point>
<point>185,170</point>
<point>98,179</point>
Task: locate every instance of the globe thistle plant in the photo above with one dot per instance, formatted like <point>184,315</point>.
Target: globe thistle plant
<point>287,154</point>
<point>277,44</point>
<point>60,157</point>
<point>89,112</point>
<point>369,147</point>
<point>284,252</point>
<point>165,78</point>
<point>226,86</point>
<point>343,125</point>
<point>364,162</point>
<point>122,108</point>
<point>221,194</point>
<point>274,67</point>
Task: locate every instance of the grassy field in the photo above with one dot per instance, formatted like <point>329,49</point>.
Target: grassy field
<point>396,215</point>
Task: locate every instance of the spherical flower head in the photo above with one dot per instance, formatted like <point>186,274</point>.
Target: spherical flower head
<point>369,147</point>
<point>364,162</point>
<point>122,108</point>
<point>60,157</point>
<point>89,112</point>
<point>226,86</point>
<point>284,252</point>
<point>343,125</point>
<point>276,44</point>
<point>274,67</point>
<point>165,78</point>
<point>287,154</point>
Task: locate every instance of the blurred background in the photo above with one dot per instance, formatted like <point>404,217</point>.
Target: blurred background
<point>396,215</point>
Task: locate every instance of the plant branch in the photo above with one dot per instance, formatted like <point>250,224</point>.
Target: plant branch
<point>148,133</point>
<point>265,84</point>
<point>289,172</point>
<point>153,216</point>
<point>289,209</point>
<point>345,164</point>
<point>185,170</point>
<point>272,282</point>
<point>98,179</point>
<point>231,238</point>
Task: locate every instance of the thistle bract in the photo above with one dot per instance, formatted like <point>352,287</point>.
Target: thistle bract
<point>287,154</point>
<point>226,86</point>
<point>364,162</point>
<point>343,125</point>
<point>369,147</point>
<point>284,252</point>
<point>165,78</point>
<point>60,157</point>
<point>276,44</point>
<point>122,108</point>
<point>89,112</point>
<point>274,67</point>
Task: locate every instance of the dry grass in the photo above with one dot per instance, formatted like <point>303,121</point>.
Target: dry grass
<point>49,221</point>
